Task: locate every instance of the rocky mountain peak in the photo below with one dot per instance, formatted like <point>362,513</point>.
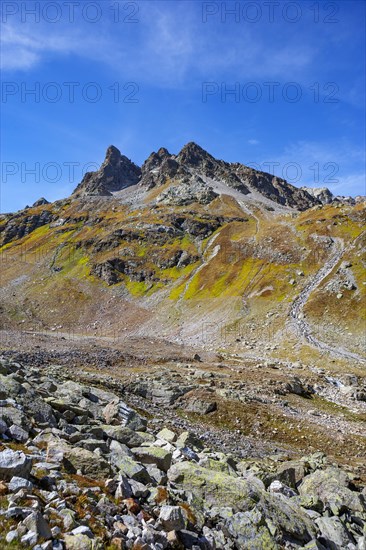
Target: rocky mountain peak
<point>163,153</point>
<point>116,173</point>
<point>158,167</point>
<point>193,154</point>
<point>40,202</point>
<point>113,155</point>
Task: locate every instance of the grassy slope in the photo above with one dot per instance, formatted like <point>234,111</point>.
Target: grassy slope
<point>251,269</point>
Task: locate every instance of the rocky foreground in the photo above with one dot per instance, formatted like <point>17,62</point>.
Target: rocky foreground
<point>79,469</point>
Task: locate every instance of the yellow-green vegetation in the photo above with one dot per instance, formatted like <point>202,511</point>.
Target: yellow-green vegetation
<point>137,288</point>
<point>240,278</point>
<point>332,220</point>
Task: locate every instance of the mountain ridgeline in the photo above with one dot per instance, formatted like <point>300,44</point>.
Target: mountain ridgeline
<point>191,164</point>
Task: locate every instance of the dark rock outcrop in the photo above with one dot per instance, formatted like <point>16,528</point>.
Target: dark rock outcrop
<point>19,226</point>
<point>116,173</point>
<point>40,202</point>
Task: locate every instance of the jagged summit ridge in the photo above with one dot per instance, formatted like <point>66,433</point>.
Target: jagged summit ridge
<point>192,165</point>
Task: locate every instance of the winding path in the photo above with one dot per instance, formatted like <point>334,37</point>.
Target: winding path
<point>298,304</point>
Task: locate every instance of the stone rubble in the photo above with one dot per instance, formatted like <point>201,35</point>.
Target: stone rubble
<point>81,470</point>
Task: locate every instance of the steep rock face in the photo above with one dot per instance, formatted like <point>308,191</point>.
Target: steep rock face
<point>275,189</point>
<point>197,159</point>
<point>116,173</point>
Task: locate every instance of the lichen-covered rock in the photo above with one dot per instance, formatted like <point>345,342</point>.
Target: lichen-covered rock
<point>250,531</point>
<point>189,439</point>
<point>212,487</point>
<point>89,463</point>
<point>132,470</point>
<point>331,488</point>
<point>81,542</point>
<point>167,435</point>
<point>243,495</point>
<point>124,435</point>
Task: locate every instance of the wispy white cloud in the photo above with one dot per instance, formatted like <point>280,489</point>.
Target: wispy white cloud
<point>169,47</point>
<point>23,48</point>
<point>253,141</point>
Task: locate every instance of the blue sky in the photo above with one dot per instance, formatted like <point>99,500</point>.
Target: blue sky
<point>146,74</point>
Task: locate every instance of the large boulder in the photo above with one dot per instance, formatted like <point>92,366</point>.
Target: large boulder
<point>172,518</point>
<point>88,463</point>
<point>14,463</point>
<point>211,487</point>
<point>291,473</point>
<point>62,405</point>
<point>124,435</point>
<point>167,435</point>
<point>334,533</point>
<point>332,488</point>
<point>10,387</point>
<point>250,531</point>
<point>189,439</point>
<point>41,411</point>
<point>81,542</point>
<point>201,406</point>
<point>154,455</point>
<point>13,415</point>
<point>296,386</point>
<point>132,470</point>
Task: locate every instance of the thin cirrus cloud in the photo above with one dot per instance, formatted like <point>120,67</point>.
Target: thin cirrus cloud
<point>167,48</point>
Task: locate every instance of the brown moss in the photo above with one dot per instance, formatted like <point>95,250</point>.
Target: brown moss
<point>189,512</point>
<point>162,495</point>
